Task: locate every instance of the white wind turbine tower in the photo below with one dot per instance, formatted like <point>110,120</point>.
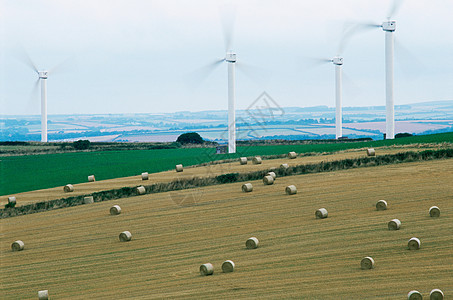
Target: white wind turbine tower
<point>230,59</point>
<point>389,28</point>
<point>338,62</point>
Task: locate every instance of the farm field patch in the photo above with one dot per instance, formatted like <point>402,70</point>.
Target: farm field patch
<point>75,252</point>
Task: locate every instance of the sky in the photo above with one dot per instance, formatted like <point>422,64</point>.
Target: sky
<point>130,56</point>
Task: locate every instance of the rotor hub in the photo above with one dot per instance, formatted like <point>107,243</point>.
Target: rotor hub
<point>389,26</point>
<point>337,60</point>
<point>43,74</point>
<point>230,57</point>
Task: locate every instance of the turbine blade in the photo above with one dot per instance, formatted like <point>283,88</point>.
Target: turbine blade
<point>32,103</point>
<point>198,76</point>
<point>22,56</point>
<point>351,29</point>
<point>62,67</point>
<point>404,58</point>
<point>256,74</point>
<point>228,18</point>
<point>396,5</point>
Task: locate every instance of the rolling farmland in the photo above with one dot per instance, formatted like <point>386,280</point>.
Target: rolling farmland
<point>52,170</point>
<point>75,252</point>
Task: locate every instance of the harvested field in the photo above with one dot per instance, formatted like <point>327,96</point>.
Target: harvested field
<point>202,171</point>
<point>75,252</point>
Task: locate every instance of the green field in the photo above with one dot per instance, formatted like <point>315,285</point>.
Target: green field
<point>32,172</point>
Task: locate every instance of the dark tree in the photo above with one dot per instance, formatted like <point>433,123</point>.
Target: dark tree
<point>400,135</point>
<point>81,144</point>
<point>190,138</point>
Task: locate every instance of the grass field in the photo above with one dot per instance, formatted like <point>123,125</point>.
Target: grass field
<point>75,252</point>
<point>33,172</point>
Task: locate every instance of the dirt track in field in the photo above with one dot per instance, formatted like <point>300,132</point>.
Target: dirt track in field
<point>75,252</point>
<point>204,171</point>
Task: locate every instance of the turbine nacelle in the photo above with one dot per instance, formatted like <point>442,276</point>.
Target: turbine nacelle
<point>389,26</point>
<point>43,74</point>
<point>337,60</point>
<point>230,57</point>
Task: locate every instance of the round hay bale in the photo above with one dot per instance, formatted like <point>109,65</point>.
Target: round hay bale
<point>17,245</point>
<point>228,266</point>
<point>436,294</point>
<point>414,244</point>
<point>88,200</point>
<point>257,160</point>
<point>91,178</point>
<point>68,188</point>
<point>141,190</point>
<point>291,190</point>
<point>414,295</point>
<point>321,213</point>
<point>145,176</point>
<point>115,210</point>
<point>268,180</point>
<point>179,168</point>
<point>206,269</point>
<point>272,174</point>
<point>284,166</point>
<point>243,160</point>
<point>292,155</point>
<point>394,224</point>
<point>248,187</point>
<point>11,202</point>
<point>367,263</point>
<point>370,152</point>
<point>381,205</point>
<point>434,212</point>
<point>252,243</point>
<point>125,236</point>
<point>43,295</point>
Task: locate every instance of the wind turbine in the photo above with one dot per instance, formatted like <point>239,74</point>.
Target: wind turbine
<point>42,76</point>
<point>230,58</point>
<point>389,27</point>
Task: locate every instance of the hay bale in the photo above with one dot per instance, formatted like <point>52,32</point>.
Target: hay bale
<point>248,187</point>
<point>284,166</point>
<point>291,190</point>
<point>140,190</point>
<point>268,180</point>
<point>145,176</point>
<point>381,205</point>
<point>252,243</point>
<point>68,188</point>
<point>257,160</point>
<point>11,202</point>
<point>125,236</point>
<point>436,294</point>
<point>43,295</point>
<point>414,244</point>
<point>321,213</point>
<point>370,152</point>
<point>179,168</point>
<point>434,212</point>
<point>115,210</point>
<point>228,266</point>
<point>17,245</point>
<point>394,224</point>
<point>414,295</point>
<point>292,155</point>
<point>272,174</point>
<point>367,263</point>
<point>88,200</point>
<point>91,178</point>
<point>243,160</point>
<point>206,269</point>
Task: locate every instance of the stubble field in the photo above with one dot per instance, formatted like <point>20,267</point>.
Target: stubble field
<point>75,252</point>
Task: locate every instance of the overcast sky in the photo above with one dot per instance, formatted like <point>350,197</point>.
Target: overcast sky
<point>148,56</point>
